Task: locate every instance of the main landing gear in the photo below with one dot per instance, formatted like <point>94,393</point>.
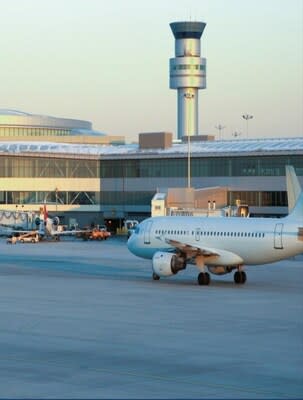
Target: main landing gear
<point>240,277</point>
<point>203,277</point>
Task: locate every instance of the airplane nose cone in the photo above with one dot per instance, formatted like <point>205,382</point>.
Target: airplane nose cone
<point>133,244</point>
<point>130,244</point>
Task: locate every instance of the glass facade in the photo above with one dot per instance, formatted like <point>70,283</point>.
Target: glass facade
<point>32,131</point>
<point>259,199</point>
<point>126,198</point>
<point>48,167</point>
<point>251,198</point>
<point>115,187</point>
<point>62,197</point>
<point>188,66</point>
<point>108,198</point>
<point>201,167</point>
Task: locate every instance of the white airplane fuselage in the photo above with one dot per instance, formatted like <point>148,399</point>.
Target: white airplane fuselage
<point>240,240</point>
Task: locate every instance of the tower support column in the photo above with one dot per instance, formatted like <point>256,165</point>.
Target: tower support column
<point>187,111</point>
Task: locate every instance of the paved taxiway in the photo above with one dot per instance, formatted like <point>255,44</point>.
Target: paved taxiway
<point>84,320</point>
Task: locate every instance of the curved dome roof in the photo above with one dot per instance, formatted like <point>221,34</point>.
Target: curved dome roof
<point>8,111</point>
<point>15,118</point>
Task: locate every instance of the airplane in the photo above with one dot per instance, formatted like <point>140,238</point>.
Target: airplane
<point>220,245</point>
<point>48,227</point>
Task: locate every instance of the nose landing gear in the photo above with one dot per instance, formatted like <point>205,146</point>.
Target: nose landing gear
<point>203,278</point>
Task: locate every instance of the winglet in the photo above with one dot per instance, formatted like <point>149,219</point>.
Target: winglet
<point>293,187</point>
<point>297,212</point>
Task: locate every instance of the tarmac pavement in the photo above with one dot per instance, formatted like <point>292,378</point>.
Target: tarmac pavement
<point>85,320</point>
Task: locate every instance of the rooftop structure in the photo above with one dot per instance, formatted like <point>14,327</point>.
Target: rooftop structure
<point>209,148</point>
<point>151,140</point>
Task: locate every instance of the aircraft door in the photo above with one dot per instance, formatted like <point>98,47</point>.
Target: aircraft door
<point>198,234</point>
<point>147,232</point>
<point>278,244</point>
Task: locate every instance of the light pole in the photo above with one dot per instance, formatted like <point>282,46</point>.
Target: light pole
<point>247,117</point>
<point>56,192</point>
<point>189,98</point>
<point>16,215</point>
<point>220,128</point>
<point>188,162</point>
<point>236,134</point>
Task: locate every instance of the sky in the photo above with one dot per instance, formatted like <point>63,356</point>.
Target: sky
<point>106,61</point>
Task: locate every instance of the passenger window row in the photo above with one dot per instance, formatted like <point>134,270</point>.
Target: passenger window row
<point>211,233</point>
<point>171,232</point>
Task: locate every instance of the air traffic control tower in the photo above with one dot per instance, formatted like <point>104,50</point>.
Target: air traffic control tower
<point>187,74</point>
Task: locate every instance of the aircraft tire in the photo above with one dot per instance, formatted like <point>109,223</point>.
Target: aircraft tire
<point>240,277</point>
<point>155,277</point>
<point>203,278</point>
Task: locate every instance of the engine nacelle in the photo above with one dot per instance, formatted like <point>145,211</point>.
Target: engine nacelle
<point>56,221</point>
<point>167,264</point>
<point>37,221</point>
<point>220,269</point>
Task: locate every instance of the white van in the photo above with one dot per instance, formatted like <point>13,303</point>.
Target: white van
<point>29,238</point>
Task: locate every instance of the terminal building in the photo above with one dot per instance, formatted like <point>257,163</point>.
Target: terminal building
<point>19,125</point>
<point>92,184</point>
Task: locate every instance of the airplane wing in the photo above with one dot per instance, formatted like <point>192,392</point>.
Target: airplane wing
<point>21,232</point>
<point>220,255</point>
<point>66,233</point>
<point>192,251</point>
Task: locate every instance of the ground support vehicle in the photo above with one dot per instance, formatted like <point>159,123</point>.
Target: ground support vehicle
<point>96,234</point>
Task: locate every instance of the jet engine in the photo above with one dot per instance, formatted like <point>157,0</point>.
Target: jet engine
<point>167,264</point>
<point>56,221</point>
<point>220,269</point>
